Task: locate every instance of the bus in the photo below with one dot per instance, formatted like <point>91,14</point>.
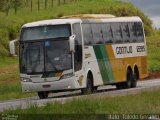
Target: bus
<point>82,53</point>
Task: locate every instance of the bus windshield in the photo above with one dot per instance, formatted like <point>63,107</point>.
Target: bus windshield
<point>45,50</point>
<point>45,32</point>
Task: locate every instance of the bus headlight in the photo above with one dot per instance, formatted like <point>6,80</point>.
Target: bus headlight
<point>23,79</point>
<point>67,76</point>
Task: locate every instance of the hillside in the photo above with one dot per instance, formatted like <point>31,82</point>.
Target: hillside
<point>10,25</point>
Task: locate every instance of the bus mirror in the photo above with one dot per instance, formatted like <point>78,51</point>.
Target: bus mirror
<point>72,43</point>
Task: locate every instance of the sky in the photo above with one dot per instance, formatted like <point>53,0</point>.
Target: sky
<point>151,8</point>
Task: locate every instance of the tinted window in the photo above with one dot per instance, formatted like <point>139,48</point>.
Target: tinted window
<point>117,33</point>
<point>133,32</point>
<point>140,32</point>
<point>77,32</point>
<point>97,33</point>
<point>125,32</point>
<point>45,32</point>
<point>87,34</point>
<point>78,46</point>
<point>107,33</point>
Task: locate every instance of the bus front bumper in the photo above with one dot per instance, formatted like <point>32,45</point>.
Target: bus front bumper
<point>64,84</point>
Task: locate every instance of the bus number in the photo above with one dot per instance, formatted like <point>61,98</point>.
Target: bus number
<point>124,50</point>
<point>141,48</point>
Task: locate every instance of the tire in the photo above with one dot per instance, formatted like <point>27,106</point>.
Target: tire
<point>120,86</point>
<point>130,78</point>
<point>134,81</point>
<point>43,95</point>
<point>89,89</point>
<point>95,89</point>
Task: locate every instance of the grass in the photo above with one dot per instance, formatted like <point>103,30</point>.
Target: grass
<point>10,25</point>
<point>10,87</point>
<point>143,103</point>
<point>6,61</point>
<point>153,44</point>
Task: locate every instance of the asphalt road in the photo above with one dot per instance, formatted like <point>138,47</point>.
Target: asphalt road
<point>67,96</point>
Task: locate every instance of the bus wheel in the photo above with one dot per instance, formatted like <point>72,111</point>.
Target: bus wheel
<point>120,86</point>
<point>130,78</point>
<point>95,89</point>
<point>89,89</point>
<point>43,95</point>
<point>134,82</point>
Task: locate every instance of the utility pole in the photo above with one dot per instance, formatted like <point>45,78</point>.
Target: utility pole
<point>15,6</point>
<point>7,7</point>
<point>31,5</point>
<point>38,6</point>
<point>45,4</point>
<point>52,3</point>
<point>59,2</point>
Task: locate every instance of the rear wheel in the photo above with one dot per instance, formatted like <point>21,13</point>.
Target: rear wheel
<point>89,89</point>
<point>134,82</point>
<point>43,95</point>
<point>130,79</point>
<point>120,85</point>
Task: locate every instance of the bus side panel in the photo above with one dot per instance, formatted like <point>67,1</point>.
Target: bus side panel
<point>117,64</point>
<point>123,55</point>
<point>91,64</point>
<point>104,64</point>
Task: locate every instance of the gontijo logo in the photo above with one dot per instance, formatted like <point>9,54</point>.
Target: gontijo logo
<point>129,50</point>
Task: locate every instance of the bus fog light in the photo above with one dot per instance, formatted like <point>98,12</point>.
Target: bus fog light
<point>23,79</point>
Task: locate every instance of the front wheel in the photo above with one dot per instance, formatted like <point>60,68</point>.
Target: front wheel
<point>43,95</point>
<point>89,89</point>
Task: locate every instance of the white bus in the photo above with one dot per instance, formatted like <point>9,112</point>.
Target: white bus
<point>81,54</point>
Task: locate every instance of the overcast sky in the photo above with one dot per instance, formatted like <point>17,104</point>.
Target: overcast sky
<point>151,8</point>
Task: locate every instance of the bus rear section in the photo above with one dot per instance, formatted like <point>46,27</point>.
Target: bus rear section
<point>116,47</point>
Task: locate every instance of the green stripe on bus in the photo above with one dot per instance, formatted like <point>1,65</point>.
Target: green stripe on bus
<point>104,64</point>
<point>101,63</point>
<point>107,64</point>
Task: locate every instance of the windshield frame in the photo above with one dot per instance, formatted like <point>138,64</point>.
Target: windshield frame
<point>44,72</point>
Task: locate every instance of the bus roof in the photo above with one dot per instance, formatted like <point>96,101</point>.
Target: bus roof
<point>83,20</point>
<point>51,22</point>
<point>89,16</point>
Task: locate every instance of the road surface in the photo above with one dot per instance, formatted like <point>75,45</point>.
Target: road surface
<point>67,96</point>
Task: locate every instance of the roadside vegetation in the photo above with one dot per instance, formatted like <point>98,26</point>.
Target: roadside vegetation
<point>153,44</point>
<point>142,103</point>
<point>10,25</point>
<point>10,87</point>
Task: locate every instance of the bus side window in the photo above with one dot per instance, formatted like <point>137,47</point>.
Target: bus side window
<point>78,46</point>
<point>133,32</point>
<point>107,33</point>
<point>87,34</point>
<point>97,34</point>
<point>117,32</point>
<point>140,33</point>
<point>125,32</point>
